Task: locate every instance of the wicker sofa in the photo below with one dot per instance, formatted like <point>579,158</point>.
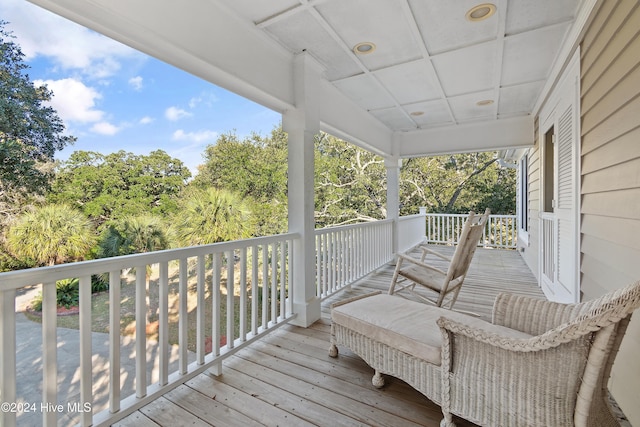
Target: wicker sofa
<point>538,363</point>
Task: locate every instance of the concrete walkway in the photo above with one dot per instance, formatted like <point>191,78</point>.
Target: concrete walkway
<point>29,367</point>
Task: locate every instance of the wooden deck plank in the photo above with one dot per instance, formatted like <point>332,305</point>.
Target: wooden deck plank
<point>208,409</point>
<point>354,405</point>
<point>137,419</point>
<point>256,380</point>
<point>287,378</point>
<point>166,413</point>
<point>264,413</point>
<point>336,387</point>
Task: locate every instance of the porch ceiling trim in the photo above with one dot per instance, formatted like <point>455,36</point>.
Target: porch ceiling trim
<point>482,136</point>
<point>341,117</point>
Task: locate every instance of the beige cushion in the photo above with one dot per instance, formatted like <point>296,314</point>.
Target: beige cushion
<point>424,276</point>
<point>406,325</point>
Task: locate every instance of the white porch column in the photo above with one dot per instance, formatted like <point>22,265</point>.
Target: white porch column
<point>393,196</point>
<point>302,124</point>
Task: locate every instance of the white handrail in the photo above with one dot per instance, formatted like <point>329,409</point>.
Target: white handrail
<point>346,254</point>
<point>501,230</point>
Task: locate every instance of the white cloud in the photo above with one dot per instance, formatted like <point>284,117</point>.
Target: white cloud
<point>73,101</point>
<point>146,120</point>
<point>199,137</point>
<point>206,98</point>
<point>174,114</point>
<point>105,128</point>
<point>193,102</point>
<point>42,33</point>
<point>136,83</point>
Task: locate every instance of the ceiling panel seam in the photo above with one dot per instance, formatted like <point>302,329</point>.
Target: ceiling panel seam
<point>497,71</point>
<point>415,31</point>
<point>329,29</point>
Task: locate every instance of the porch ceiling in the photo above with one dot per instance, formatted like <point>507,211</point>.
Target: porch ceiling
<point>429,73</point>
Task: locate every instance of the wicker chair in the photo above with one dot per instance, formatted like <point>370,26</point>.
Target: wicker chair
<point>410,272</point>
<point>538,363</point>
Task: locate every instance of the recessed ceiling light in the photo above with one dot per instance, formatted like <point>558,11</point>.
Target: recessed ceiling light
<point>481,12</point>
<point>364,48</point>
<point>484,102</point>
<point>417,113</point>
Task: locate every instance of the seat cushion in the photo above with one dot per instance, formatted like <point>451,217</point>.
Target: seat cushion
<point>429,278</point>
<point>408,326</point>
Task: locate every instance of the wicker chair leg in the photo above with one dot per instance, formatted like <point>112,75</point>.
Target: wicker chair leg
<point>333,351</point>
<point>377,380</point>
<point>445,423</point>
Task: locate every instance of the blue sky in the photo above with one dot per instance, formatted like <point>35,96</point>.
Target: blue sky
<point>112,97</point>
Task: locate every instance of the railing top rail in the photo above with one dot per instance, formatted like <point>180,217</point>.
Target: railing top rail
<point>19,278</point>
<point>445,214</point>
<point>331,229</point>
<point>466,215</point>
<point>410,217</point>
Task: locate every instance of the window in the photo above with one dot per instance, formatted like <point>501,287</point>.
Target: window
<point>523,189</point>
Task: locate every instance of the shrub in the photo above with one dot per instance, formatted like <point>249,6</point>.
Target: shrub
<point>99,283</point>
<point>68,291</point>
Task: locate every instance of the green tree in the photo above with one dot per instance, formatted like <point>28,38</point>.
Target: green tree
<point>255,169</point>
<point>51,234</point>
<point>30,132</point>
<point>210,216</point>
<point>457,183</point>
<point>121,184</point>
<point>350,183</point>
<point>132,235</point>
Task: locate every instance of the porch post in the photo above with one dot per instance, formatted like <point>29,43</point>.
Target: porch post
<point>393,197</point>
<point>302,124</point>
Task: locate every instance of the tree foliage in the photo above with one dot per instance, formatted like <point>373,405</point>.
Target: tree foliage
<point>210,216</point>
<point>25,117</point>
<point>51,234</point>
<point>133,235</point>
<point>350,183</point>
<point>255,169</point>
<point>120,184</point>
<point>457,183</point>
<point>30,131</point>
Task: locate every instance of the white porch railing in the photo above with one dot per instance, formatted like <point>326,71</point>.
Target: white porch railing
<point>411,231</point>
<point>347,253</point>
<point>501,230</point>
<point>96,378</point>
<point>548,264</point>
<point>254,274</point>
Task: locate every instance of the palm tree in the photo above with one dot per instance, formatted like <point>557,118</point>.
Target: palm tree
<point>132,235</point>
<point>210,216</point>
<point>51,234</point>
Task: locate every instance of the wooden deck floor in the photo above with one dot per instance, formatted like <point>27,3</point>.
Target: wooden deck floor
<point>288,379</point>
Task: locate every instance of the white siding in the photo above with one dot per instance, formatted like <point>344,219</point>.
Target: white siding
<point>530,253</point>
<point>610,166</point>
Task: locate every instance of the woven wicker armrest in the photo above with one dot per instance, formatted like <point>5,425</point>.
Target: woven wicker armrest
<point>531,315</point>
<point>481,335</point>
<point>567,332</point>
<point>356,298</point>
<point>421,264</point>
